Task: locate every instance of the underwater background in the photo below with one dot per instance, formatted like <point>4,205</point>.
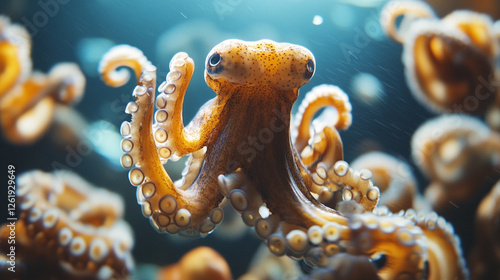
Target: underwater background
<point>344,36</point>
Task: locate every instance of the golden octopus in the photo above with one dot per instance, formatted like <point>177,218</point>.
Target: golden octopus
<point>459,154</point>
<point>241,151</point>
<point>450,63</point>
<point>29,99</point>
<point>67,229</point>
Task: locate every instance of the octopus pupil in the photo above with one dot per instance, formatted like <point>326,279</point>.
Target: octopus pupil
<point>214,59</point>
<point>310,66</point>
<point>310,69</point>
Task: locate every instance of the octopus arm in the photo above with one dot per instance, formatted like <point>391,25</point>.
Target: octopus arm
<point>397,238</point>
<point>180,139</point>
<point>192,208</point>
<point>318,98</point>
<point>15,61</point>
<point>443,246</point>
<point>409,10</point>
<point>27,111</point>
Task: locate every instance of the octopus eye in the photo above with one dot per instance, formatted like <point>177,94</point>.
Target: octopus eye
<point>214,64</point>
<point>214,60</point>
<point>310,69</point>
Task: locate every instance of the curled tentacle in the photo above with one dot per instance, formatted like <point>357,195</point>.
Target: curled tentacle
<point>325,146</point>
<point>449,63</point>
<point>398,239</point>
<point>15,49</point>
<point>27,111</point>
<point>355,185</point>
<point>445,256</point>
<point>444,157</point>
<point>435,76</point>
<point>170,133</point>
<point>28,99</point>
<point>478,27</point>
<point>393,177</point>
<point>122,56</point>
<point>320,97</point>
<point>75,229</point>
<point>409,10</point>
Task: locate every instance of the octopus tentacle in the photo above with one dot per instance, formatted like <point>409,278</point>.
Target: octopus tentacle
<point>449,62</point>
<point>169,128</point>
<point>191,169</point>
<point>355,185</point>
<point>15,48</point>
<point>399,239</point>
<point>443,157</point>
<point>443,246</point>
<point>326,150</point>
<point>282,236</point>
<point>393,177</point>
<point>74,228</point>
<point>433,75</point>
<point>27,111</point>
<point>326,145</point>
<point>478,27</point>
<point>122,56</point>
<point>28,99</point>
<point>320,97</point>
<point>410,10</point>
<point>170,209</point>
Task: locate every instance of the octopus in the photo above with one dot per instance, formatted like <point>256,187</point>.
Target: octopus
<point>459,154</point>
<point>450,63</point>
<point>30,99</point>
<point>241,152</point>
<point>68,229</point>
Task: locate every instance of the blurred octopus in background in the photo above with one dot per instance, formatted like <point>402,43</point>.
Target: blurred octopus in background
<point>29,99</point>
<point>68,229</point>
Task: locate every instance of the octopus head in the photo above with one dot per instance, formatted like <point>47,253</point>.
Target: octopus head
<point>264,65</point>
